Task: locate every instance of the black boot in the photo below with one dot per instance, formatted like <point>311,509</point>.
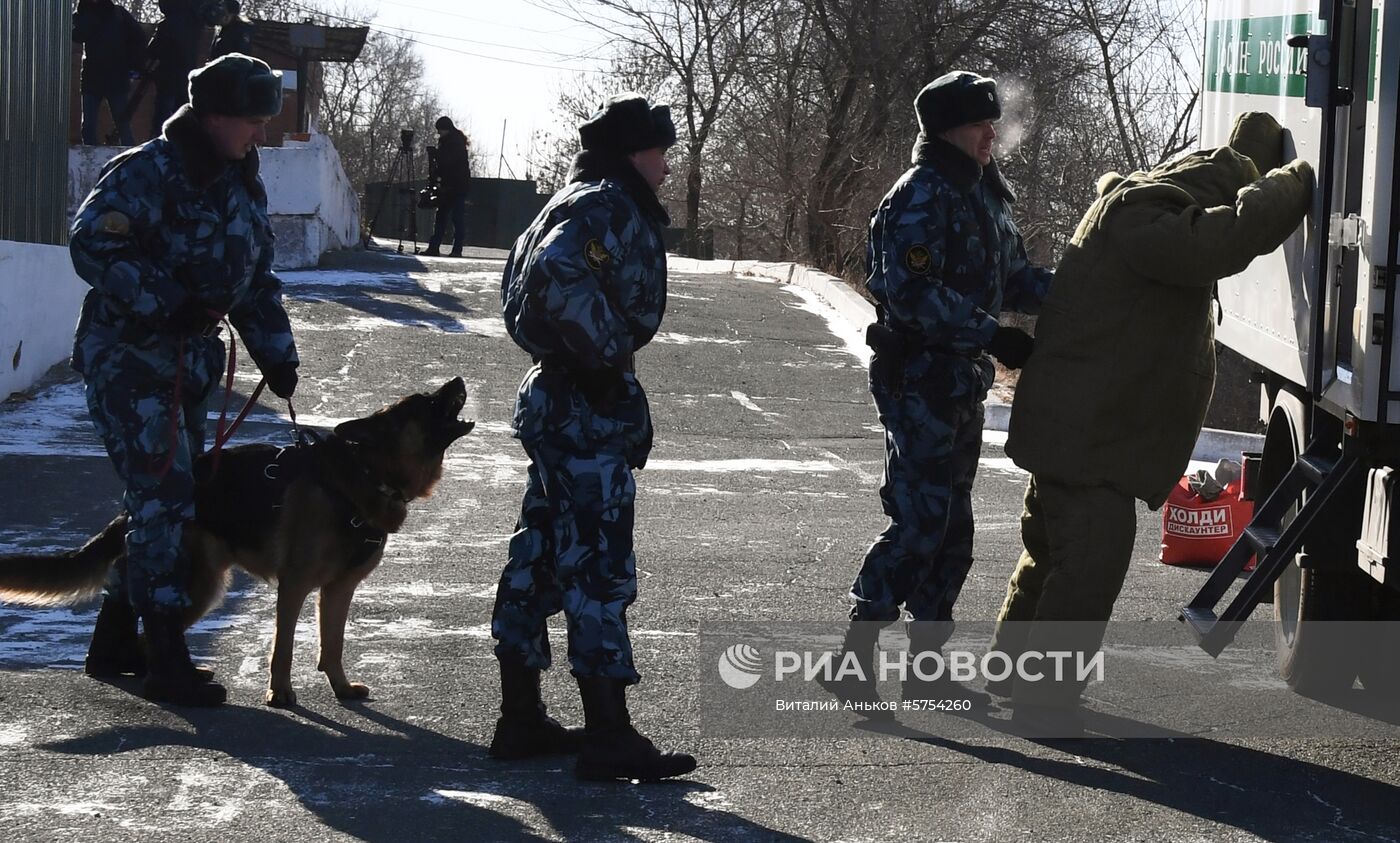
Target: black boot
<point>524,729</point>
<point>116,645</point>
<point>117,648</point>
<point>432,252</point>
<point>612,749</point>
<point>952,697</point>
<point>170,675</point>
<point>455,253</point>
<point>862,638</point>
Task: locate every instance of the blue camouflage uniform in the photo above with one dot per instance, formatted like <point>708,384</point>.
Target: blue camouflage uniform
<point>171,235</point>
<point>944,259</point>
<point>584,289</point>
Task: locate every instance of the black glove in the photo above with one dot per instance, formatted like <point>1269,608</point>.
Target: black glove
<point>282,379</point>
<point>192,317</point>
<point>1012,346</point>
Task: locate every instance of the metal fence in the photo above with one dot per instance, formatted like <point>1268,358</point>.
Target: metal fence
<point>35,63</point>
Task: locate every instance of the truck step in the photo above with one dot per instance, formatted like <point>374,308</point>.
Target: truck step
<point>1264,538</point>
<point>1314,469</point>
<point>1275,545</point>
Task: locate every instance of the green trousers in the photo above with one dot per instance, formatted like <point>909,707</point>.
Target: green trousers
<point>1078,544</point>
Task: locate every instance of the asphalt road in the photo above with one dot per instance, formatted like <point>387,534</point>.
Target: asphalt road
<point>757,505</point>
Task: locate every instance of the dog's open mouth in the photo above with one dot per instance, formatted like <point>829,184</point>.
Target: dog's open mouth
<point>450,401</point>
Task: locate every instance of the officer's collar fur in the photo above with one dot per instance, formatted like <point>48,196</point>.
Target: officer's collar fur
<point>595,165</point>
<point>203,164</point>
<point>960,169</point>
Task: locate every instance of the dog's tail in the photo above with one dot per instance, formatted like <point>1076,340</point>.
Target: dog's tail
<point>56,579</point>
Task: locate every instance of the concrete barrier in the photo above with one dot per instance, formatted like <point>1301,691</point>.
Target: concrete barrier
<point>309,198</point>
<point>40,296</point>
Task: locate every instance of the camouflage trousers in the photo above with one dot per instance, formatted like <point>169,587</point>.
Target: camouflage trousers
<point>920,561</point>
<point>135,415</point>
<point>571,551</point>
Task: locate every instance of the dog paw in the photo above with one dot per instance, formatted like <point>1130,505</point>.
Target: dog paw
<point>280,698</point>
<point>352,691</point>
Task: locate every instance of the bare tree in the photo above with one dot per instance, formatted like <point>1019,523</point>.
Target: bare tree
<point>1139,47</point>
<point>365,104</point>
<point>702,45</point>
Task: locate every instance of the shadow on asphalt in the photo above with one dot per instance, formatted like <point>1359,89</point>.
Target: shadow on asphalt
<point>394,271</point>
<point>384,780</point>
<point>1271,796</point>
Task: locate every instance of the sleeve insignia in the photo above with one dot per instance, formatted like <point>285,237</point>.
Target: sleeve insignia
<point>918,260</point>
<point>114,223</point>
<point>596,256</point>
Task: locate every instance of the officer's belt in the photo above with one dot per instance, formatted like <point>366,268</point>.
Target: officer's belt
<point>563,365</point>
<point>909,343</point>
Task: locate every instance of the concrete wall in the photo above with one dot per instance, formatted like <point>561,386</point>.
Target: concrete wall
<point>40,297</point>
<point>309,198</point>
<point>313,207</point>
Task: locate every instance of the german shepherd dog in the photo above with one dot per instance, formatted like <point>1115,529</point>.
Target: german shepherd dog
<point>313,516</point>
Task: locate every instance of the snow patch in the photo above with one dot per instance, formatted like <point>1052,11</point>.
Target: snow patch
<point>687,339</point>
<point>729,466</point>
<point>852,337</point>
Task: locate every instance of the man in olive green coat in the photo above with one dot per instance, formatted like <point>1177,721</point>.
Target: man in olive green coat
<point>1111,402</point>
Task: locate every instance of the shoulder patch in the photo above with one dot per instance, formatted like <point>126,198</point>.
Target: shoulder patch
<point>596,256</point>
<point>114,223</point>
<point>918,260</point>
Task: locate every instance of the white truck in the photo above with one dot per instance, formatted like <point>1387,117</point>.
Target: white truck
<point>1318,319</point>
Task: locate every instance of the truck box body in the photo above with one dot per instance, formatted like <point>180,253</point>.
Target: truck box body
<point>1267,311</point>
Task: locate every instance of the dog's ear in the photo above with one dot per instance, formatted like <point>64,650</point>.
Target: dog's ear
<point>360,431</point>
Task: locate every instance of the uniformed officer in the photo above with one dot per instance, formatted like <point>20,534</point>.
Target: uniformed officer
<point>944,260</point>
<point>584,290</point>
<point>174,237</point>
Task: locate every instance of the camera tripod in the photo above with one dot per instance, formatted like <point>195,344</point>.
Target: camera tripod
<point>408,205</point>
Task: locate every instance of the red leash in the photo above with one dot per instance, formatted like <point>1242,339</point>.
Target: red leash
<point>222,434</point>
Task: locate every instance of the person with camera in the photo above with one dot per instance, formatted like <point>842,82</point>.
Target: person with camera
<point>174,237</point>
<point>944,259</point>
<point>454,175</point>
<point>114,46</point>
<point>584,290</point>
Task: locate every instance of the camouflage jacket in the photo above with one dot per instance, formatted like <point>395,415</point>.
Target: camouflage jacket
<point>170,221</point>
<point>943,260</point>
<point>584,289</point>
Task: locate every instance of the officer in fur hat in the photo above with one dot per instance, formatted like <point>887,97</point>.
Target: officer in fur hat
<point>173,238</point>
<point>944,259</point>
<point>584,290</point>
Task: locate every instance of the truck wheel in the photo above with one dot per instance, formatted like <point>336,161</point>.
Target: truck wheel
<point>1380,663</point>
<point>1312,657</point>
<point>1315,655</point>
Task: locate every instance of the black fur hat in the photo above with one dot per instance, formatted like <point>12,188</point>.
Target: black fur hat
<point>627,123</point>
<point>955,99</point>
<point>238,86</point>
